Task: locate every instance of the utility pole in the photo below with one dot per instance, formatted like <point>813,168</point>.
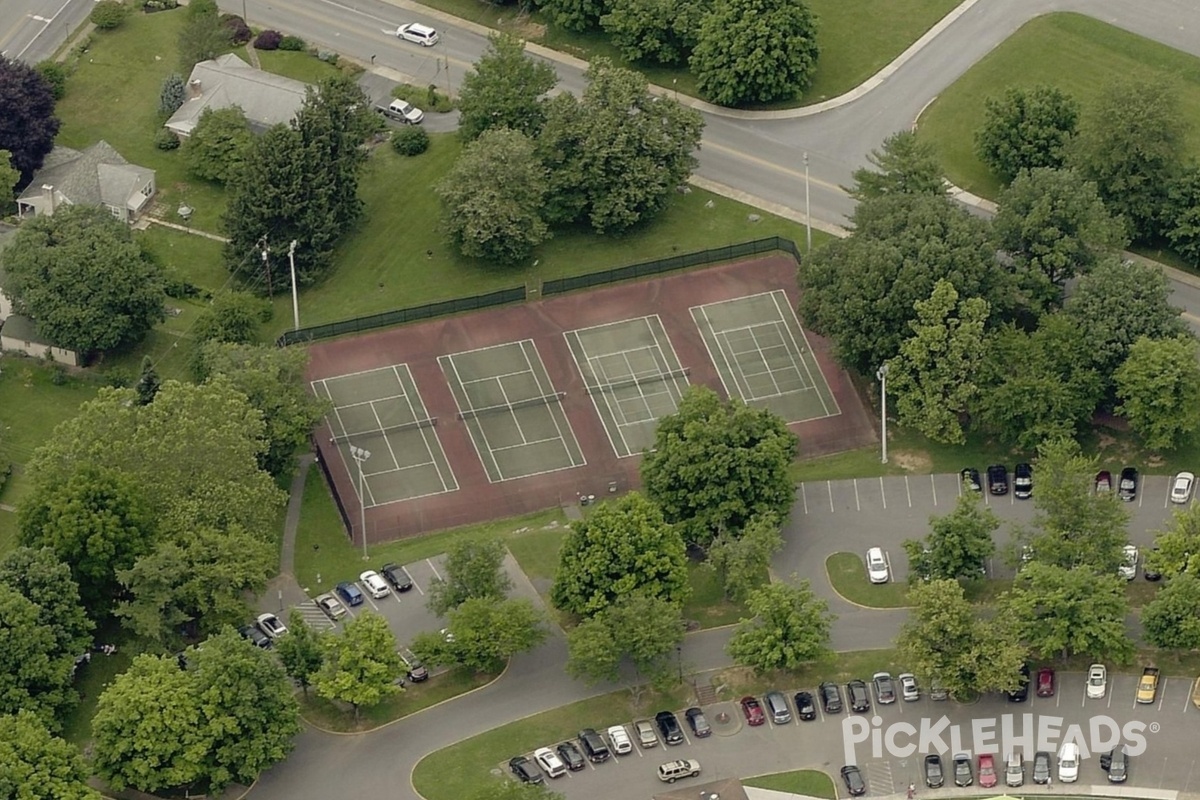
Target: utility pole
<point>295,296</point>
<point>360,455</point>
<point>807,208</point>
<point>882,374</point>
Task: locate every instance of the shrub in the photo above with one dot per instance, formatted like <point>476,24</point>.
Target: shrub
<point>108,14</point>
<point>410,141</point>
<point>239,31</point>
<point>328,56</point>
<point>166,139</point>
<point>427,98</point>
<point>294,43</point>
<point>55,75</point>
<point>171,95</point>
<point>268,40</point>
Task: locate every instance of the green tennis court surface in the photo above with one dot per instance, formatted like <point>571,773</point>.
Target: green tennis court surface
<point>633,376</point>
<point>511,410</point>
<point>762,355</point>
<point>380,411</point>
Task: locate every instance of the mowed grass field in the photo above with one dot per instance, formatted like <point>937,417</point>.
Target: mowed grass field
<point>1077,54</point>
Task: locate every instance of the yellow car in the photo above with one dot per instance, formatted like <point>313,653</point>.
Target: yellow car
<point>1148,685</point>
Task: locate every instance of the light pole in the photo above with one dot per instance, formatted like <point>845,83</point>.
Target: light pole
<point>882,374</point>
<point>360,456</point>
<point>807,209</point>
<point>295,298</point>
<point>679,660</point>
<point>264,249</point>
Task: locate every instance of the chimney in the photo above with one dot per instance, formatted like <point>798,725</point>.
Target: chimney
<point>48,197</point>
<point>194,87</point>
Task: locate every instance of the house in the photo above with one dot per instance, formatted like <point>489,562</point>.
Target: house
<point>97,176</point>
<point>265,98</point>
<point>18,334</point>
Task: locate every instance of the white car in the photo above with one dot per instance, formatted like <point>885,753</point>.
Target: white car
<point>1181,489</point>
<point>1128,568</point>
<point>1097,681</point>
<point>621,743</point>
<point>418,33</point>
<point>271,625</point>
<point>374,583</point>
<point>549,761</point>
<point>878,570</point>
<point>909,690</point>
<point>1068,763</point>
<point>403,111</point>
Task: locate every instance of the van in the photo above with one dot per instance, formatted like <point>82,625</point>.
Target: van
<point>1068,763</point>
<point>1014,770</point>
<point>777,706</point>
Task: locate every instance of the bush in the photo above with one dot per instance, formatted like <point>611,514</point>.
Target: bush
<point>410,141</point>
<point>427,98</point>
<point>328,56</point>
<point>55,75</point>
<point>239,31</point>
<point>166,139</point>
<point>293,43</point>
<point>268,40</point>
<point>108,14</point>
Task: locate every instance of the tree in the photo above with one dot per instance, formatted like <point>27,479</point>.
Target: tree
<point>28,125</point>
<point>233,317</point>
<point>172,94</point>
<point>861,292</point>
<point>575,15</point>
<point>302,651</point>
<point>958,545</point>
<point>1063,612</point>
<point>35,674</point>
<point>361,664</point>
<point>755,51</point>
<point>1130,143</point>
<point>217,148</point>
<point>1172,618</point>
<point>743,560</point>
<point>616,156</point>
<point>789,627</point>
<point>717,465</point>
<point>1177,549</point>
<point>624,546</point>
<point>1026,129</point>
<point>36,765</point>
<point>1182,216</point>
<point>639,630</point>
<point>148,382</point>
<point>9,178</point>
<point>97,521</point>
<point>492,198</point>
<point>659,31</point>
<point>1159,389</point>
<point>474,570</point>
<point>272,379</point>
<point>81,276</point>
<point>904,165</point>
<point>944,640</point>
<point>489,631</point>
<point>202,36</point>
<point>1054,225</point>
<point>56,74</point>
<point>43,579</point>
<point>504,90</point>
<point>108,15</point>
<point>934,378</point>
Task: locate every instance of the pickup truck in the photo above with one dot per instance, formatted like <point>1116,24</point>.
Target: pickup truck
<point>1148,686</point>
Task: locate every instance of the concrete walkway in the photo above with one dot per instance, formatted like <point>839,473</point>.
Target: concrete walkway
<point>284,591</point>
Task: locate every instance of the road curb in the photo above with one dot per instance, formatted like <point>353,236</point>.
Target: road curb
<point>843,598</point>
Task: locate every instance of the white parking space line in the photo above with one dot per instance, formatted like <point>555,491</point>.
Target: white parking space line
<point>882,494</point>
<point>1162,695</point>
<point>1110,696</point>
<point>908,491</point>
<point>829,488</point>
<point>857,504</point>
<point>368,598</point>
<point>1187,701</point>
<point>414,582</point>
<point>432,567</point>
<point>934,487</point>
<point>804,498</point>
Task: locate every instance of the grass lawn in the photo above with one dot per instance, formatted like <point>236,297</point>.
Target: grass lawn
<point>93,679</point>
<point>299,65</point>
<point>1077,54</point>
<point>707,603</point>
<point>463,769</point>
<point>809,782</point>
<point>332,716</point>
<point>848,575</point>
<point>861,463</point>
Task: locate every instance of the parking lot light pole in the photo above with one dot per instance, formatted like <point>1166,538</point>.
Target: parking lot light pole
<point>295,296</point>
<point>882,374</point>
<point>679,660</point>
<point>807,210</point>
<point>360,456</point>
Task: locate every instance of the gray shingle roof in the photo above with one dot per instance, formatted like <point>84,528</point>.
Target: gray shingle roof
<point>96,176</point>
<point>266,99</point>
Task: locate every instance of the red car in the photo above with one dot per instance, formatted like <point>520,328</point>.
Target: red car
<point>753,711</point>
<point>1103,482</point>
<point>987,770</point>
<point>1045,682</point>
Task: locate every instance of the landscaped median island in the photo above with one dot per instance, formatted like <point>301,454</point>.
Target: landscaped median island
<point>848,575</point>
<point>809,782</point>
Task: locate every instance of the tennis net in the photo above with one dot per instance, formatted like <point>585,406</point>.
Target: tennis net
<point>404,426</point>
<point>543,400</point>
<point>639,380</point>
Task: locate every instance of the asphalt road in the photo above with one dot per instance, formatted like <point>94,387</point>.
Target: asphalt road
<point>31,30</point>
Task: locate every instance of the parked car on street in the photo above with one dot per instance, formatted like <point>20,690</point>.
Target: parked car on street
<point>860,699</point>
<point>621,743</point>
<point>1128,568</point>
<point>1021,693</point>
<point>1045,682</point>
<point>1116,764</point>
<point>878,568</point>
<point>375,584</point>
<point>271,625</point>
<point>350,593</point>
<point>970,479</point>
<point>594,746</point>
<point>1014,770</point>
<point>417,33</point>
<point>571,756</point>
<point>1041,767</point>
<point>674,770</point>
<point>332,607</point>
<point>643,729</point>
<point>256,637</point>
<point>987,771</point>
<point>550,763</point>
<point>1023,481</point>
<point>909,690</point>
<point>831,698</point>
<point>806,707</point>
<point>1103,482</point>
<point>885,688</point>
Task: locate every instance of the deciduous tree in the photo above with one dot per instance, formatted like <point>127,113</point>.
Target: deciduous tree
<point>904,165</point>
<point>789,627</point>
<point>217,148</point>
<point>623,547</point>
<point>1181,218</point>
<point>474,570</point>
<point>1026,129</point>
<point>43,579</point>
<point>10,176</point>
<point>202,36</point>
<point>1172,618</point>
<point>28,125</point>
<point>81,276</point>
<point>302,651</point>
<point>1159,389</point>
<point>1063,612</point>
<point>743,560</point>
<point>637,630</point>
<point>36,765</point>
<point>504,90</point>
<point>1177,547</point>
<point>35,674</point>
<point>755,51</point>
<point>658,31</point>
<point>958,545</point>
<point>232,317</point>
<point>716,465</point>
<point>361,665</point>
<point>575,15</point>
<point>489,631</point>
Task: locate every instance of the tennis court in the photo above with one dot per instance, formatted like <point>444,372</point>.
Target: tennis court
<point>762,356</point>
<point>511,410</point>
<point>380,412</point>
<point>633,376</point>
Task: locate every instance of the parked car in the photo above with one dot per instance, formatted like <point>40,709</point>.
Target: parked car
<point>806,707</point>
<point>550,763</point>
<point>1151,573</point>
<point>271,625</point>
<point>674,770</point>
<point>1128,568</point>
<point>997,475</point>
<point>1127,485</point>
<point>256,637</point>
<point>417,33</point>
<point>909,690</point>
<point>962,770</point>
<point>571,756</point>
<point>852,776</point>
<point>860,699</point>
<point>1021,693</point>
<point>934,777</point>
<point>594,746</point>
<point>1041,767</point>
<point>970,479</point>
<point>375,584</point>
<point>1147,689</point>
<point>753,711</point>
<point>621,743</point>
<point>1116,764</point>
<point>1068,762</point>
<point>397,576</point>
<point>987,770</point>
<point>1014,770</point>
<point>525,770</point>
<point>350,593</point>
<point>643,730</point>
<point>777,706</point>
<point>885,689</point>
<point>938,691</point>
<point>1103,482</point>
<point>831,698</point>
<point>1097,681</point>
<point>878,569</point>
<point>1045,682</point>
<point>332,607</point>
<point>698,723</point>
<point>668,726</point>
<point>402,111</point>
<point>1181,489</point>
<point>1023,482</point>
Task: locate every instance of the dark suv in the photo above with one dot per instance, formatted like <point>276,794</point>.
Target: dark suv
<point>668,726</point>
<point>831,698</point>
<point>806,708</point>
<point>860,698</point>
<point>593,745</point>
<point>397,577</point>
<point>525,770</point>
<point>1021,693</point>
<point>997,475</point>
<point>1023,481</point>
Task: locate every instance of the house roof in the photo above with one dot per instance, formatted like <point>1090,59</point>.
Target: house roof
<point>266,99</point>
<point>98,175</point>
<point>22,328</point>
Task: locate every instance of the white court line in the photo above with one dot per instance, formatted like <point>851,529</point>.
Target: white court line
<point>354,374</point>
<point>550,411</point>
<point>767,370</point>
<point>637,383</point>
<point>678,365</point>
<point>762,356</point>
<point>374,400</point>
<point>449,359</point>
<point>614,409</point>
<point>730,355</point>
<point>386,440</point>
<point>595,403</point>
<point>527,443</point>
<point>512,412</point>
<point>448,487</point>
<point>712,332</point>
<point>800,352</point>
